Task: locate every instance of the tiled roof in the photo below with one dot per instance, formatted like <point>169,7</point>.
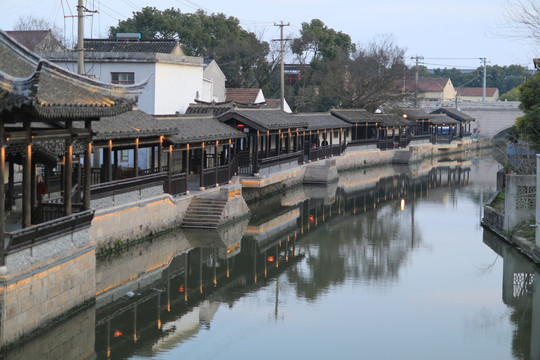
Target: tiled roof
<point>442,119</point>
<point>242,95</point>
<point>215,108</point>
<point>390,120</point>
<point>426,84</point>
<point>53,93</point>
<point>475,91</point>
<point>130,125</point>
<point>354,116</point>
<point>454,113</point>
<point>264,119</point>
<point>198,129</point>
<point>145,46</point>
<point>319,121</point>
<point>414,114</point>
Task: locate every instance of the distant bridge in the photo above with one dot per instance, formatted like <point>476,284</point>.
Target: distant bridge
<point>492,118</point>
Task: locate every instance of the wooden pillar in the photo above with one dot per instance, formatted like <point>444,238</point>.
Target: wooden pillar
<point>255,155</point>
<point>68,171</point>
<point>169,165</point>
<point>340,139</point>
<point>11,184</point>
<point>229,160</point>
<point>2,193</point>
<point>136,157</point>
<point>331,141</point>
<point>87,167</point>
<point>115,161</point>
<point>26,185</point>
<point>107,157</point>
<point>187,160</point>
<point>216,162</point>
<point>160,154</point>
<point>201,182</point>
<point>278,142</point>
<point>267,143</point>
<point>289,141</point>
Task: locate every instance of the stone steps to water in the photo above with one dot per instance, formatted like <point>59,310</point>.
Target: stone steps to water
<point>402,157</point>
<point>204,213</point>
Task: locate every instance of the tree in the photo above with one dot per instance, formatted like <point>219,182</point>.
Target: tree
<point>528,125</point>
<point>512,95</point>
<point>239,53</point>
<point>523,19</point>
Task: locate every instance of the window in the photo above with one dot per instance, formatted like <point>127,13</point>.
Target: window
<point>122,78</point>
<point>124,156</point>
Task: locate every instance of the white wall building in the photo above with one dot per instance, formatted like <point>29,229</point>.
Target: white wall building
<point>173,79</point>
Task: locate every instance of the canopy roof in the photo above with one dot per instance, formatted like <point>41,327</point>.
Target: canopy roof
<point>264,119</point>
<point>320,121</point>
<point>454,113</point>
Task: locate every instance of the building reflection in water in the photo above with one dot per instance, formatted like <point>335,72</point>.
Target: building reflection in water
<point>159,293</point>
<point>521,293</point>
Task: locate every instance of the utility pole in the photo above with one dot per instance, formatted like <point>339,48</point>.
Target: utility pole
<point>484,80</point>
<point>80,38</point>
<point>281,25</point>
<point>418,58</point>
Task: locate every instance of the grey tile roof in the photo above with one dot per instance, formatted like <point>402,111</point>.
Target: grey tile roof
<point>264,119</point>
<point>454,113</point>
<point>390,120</point>
<point>354,116</point>
<point>414,114</point>
<point>53,93</point>
<point>198,129</point>
<point>145,46</point>
<point>216,108</point>
<point>320,121</point>
<point>442,119</point>
<point>129,125</point>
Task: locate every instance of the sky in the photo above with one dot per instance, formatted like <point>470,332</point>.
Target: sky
<point>445,33</point>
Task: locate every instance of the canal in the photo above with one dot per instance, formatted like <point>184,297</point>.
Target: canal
<point>388,263</point>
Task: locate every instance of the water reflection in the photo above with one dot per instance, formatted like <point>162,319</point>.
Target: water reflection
<point>521,293</point>
<point>160,293</point>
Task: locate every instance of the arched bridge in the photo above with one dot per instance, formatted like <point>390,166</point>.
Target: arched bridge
<point>492,118</point>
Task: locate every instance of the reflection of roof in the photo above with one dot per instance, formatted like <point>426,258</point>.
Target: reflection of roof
<point>264,119</point>
<point>476,91</point>
<point>45,90</point>
<point>318,121</point>
<point>454,113</point>
<point>242,95</point>
<point>139,46</point>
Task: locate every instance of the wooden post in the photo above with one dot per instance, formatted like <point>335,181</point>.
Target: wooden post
<point>216,162</point>
<point>136,157</point>
<point>255,155</point>
<point>108,157</point>
<point>169,165</point>
<point>27,191</point>
<point>2,193</point>
<point>87,169</point>
<point>201,182</point>
<point>160,154</point>
<point>68,171</point>
<point>229,159</point>
<point>187,161</point>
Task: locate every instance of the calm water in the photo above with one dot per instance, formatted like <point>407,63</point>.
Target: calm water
<point>379,266</point>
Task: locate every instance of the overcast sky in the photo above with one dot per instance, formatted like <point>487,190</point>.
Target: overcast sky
<point>446,33</point>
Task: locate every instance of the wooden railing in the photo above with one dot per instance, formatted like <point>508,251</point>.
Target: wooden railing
<point>29,236</point>
<point>176,184</point>
<point>362,142</point>
<point>282,159</point>
<point>127,185</point>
